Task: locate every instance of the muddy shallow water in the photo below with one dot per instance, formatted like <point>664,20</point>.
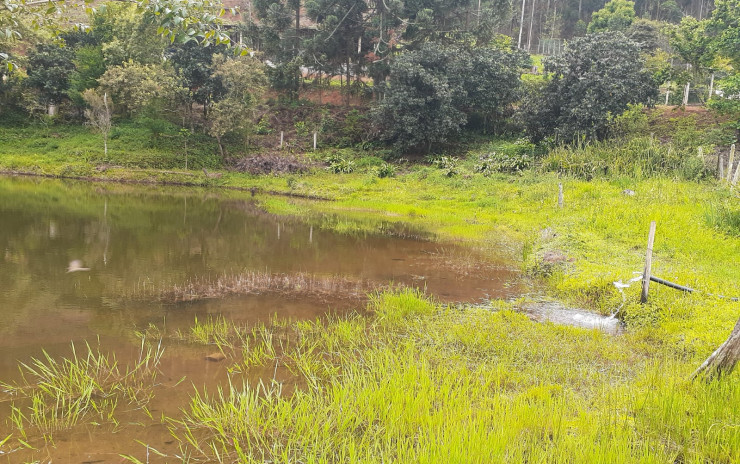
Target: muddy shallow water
<point>122,242</point>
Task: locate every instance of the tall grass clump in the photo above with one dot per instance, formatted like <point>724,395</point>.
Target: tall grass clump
<point>58,394</point>
<point>638,158</point>
<point>724,218</point>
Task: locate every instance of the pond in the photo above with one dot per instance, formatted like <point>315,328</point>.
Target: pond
<point>96,263</point>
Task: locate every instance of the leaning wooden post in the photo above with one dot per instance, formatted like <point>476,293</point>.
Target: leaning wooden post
<point>648,264</point>
<point>737,174</point>
<point>729,163</point>
<point>560,195</point>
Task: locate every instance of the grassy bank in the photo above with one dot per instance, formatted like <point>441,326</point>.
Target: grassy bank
<point>419,382</point>
<point>422,383</point>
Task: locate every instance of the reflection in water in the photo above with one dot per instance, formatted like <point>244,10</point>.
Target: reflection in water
<point>71,254</point>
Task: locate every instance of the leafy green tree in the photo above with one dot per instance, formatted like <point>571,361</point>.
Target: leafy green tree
<point>724,27</point>
<point>493,81</point>
<point>280,33</point>
<point>194,66</point>
<point>432,91</point>
<point>730,103</point>
<point>592,82</point>
<point>617,15</point>
<point>244,80</point>
<point>137,87</point>
<point>421,104</point>
<point>646,33</point>
<point>49,70</point>
<point>690,41</point>
<point>89,66</point>
<point>181,20</point>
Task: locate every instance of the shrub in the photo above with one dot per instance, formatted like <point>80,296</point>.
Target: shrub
<point>385,170</point>
<point>339,164</point>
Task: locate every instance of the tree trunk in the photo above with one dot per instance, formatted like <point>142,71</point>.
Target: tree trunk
<point>221,147</point>
<point>723,360</point>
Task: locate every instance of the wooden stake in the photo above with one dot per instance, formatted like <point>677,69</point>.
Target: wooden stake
<point>648,265</point>
<point>560,195</point>
<point>721,168</point>
<point>729,163</point>
<point>667,92</point>
<point>282,134</point>
<point>314,141</point>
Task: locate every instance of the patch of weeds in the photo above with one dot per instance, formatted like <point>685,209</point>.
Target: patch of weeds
<point>449,165</point>
<point>338,164</point>
<point>723,218</point>
<point>385,170</point>
<point>490,163</point>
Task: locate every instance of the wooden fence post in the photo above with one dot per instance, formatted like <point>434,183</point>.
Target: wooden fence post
<point>560,195</point>
<point>729,163</point>
<point>648,265</point>
<point>282,134</point>
<point>314,141</point>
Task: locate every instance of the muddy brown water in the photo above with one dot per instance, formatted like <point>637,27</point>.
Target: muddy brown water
<point>136,239</point>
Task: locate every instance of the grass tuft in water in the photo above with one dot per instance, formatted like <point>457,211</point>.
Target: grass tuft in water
<point>58,394</point>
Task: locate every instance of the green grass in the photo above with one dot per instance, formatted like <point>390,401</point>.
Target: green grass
<point>419,382</point>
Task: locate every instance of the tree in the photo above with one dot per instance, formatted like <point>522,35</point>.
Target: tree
<point>690,41</point>
<point>135,87</point>
<point>493,82</point>
<point>421,103</point>
<point>98,114</point>
<point>617,15</point>
<point>280,34</point>
<point>181,20</point>
<point>722,362</point>
<point>89,66</point>
<point>49,70</point>
<point>193,64</point>
<point>724,28</point>
<point>244,80</point>
<point>593,81</point>
<point>646,33</point>
<point>432,91</point>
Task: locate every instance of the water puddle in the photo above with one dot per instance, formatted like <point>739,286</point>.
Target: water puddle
<point>557,313</point>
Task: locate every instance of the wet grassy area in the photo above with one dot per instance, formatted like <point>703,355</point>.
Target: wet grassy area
<point>405,377</point>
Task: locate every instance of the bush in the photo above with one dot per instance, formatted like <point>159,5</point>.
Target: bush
<point>339,164</point>
<point>385,170</point>
<point>595,79</point>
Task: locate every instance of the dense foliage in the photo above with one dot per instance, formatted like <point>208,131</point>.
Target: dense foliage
<point>426,70</point>
<point>592,82</point>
